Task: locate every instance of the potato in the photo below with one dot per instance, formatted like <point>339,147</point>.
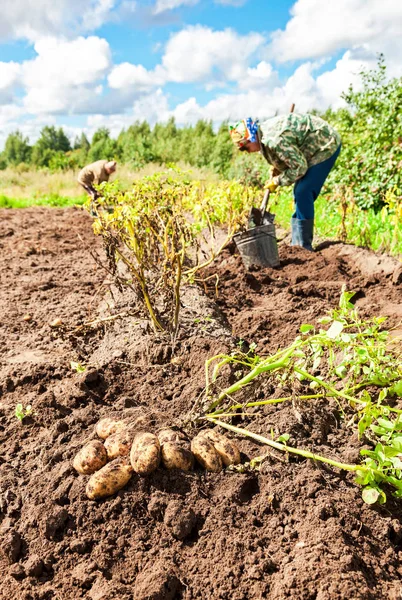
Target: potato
<point>109,480</point>
<point>175,456</point>
<point>56,323</point>
<point>169,435</point>
<point>107,426</point>
<point>90,458</point>
<point>145,453</point>
<point>225,447</point>
<point>119,444</point>
<point>204,451</point>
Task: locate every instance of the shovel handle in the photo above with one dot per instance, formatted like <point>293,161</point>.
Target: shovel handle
<point>263,207</point>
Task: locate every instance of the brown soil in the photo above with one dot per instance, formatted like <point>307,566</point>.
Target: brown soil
<point>292,530</point>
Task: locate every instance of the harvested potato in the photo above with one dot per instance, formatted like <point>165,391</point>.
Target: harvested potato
<point>107,426</point>
<point>226,448</point>
<point>176,456</point>
<point>56,323</point>
<point>90,458</point>
<point>169,435</point>
<point>145,453</point>
<point>204,451</point>
<point>109,480</point>
<point>119,444</point>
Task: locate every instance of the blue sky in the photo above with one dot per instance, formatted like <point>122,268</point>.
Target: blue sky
<point>89,63</point>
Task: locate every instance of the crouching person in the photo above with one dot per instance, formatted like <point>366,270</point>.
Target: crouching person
<point>94,174</point>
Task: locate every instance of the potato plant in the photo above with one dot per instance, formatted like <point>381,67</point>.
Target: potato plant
<point>163,231</point>
<point>353,362</point>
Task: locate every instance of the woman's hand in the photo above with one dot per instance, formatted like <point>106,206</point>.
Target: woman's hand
<point>271,186</point>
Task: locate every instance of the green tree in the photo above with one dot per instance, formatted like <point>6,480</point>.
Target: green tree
<point>17,149</point>
<point>223,151</point>
<point>102,146</point>
<point>371,158</point>
<point>81,143</point>
<point>135,144</point>
<point>50,142</point>
<point>203,144</point>
<point>165,140</point>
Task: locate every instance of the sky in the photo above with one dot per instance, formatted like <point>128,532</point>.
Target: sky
<point>84,64</point>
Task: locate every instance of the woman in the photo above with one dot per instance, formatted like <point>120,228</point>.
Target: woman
<point>302,149</point>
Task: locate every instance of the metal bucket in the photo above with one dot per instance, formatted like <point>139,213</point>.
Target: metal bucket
<point>258,246</point>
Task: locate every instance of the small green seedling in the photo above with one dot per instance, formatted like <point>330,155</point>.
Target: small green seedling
<point>21,412</point>
<point>75,366</point>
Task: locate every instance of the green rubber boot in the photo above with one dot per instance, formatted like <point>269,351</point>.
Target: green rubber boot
<point>302,233</point>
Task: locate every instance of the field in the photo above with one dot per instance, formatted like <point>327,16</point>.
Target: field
<point>291,529</point>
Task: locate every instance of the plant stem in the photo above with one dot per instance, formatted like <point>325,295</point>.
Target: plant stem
<point>261,368</point>
<point>286,448</point>
<point>265,402</point>
<point>327,386</point>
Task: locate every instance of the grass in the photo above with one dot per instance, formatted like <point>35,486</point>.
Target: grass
<point>380,231</point>
<point>49,200</point>
<point>20,183</point>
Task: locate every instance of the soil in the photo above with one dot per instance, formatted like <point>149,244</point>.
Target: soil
<point>293,529</point>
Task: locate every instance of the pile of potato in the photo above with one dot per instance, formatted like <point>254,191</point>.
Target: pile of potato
<point>124,451</point>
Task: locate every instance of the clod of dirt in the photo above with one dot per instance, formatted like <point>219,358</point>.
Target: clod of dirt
<point>103,589</point>
<point>397,275</point>
<point>157,582</point>
<point>11,546</point>
<point>9,502</point>
<point>157,506</point>
<point>17,571</point>
<point>54,523</point>
<point>33,566</point>
<point>80,546</point>
<point>180,519</point>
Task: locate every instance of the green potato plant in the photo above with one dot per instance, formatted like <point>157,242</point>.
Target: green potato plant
<point>352,362</point>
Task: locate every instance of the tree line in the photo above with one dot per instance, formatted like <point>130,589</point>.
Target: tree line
<point>198,145</point>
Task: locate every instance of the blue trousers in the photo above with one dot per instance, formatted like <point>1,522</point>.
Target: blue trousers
<point>307,188</point>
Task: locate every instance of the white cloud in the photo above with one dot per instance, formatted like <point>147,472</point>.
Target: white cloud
<point>10,121</point>
<point>34,19</point>
<point>152,108</point>
<point>163,5</point>
<point>196,51</point>
<point>9,75</point>
<point>197,54</point>
<point>307,90</point>
<point>97,14</point>
<point>127,75</point>
<point>347,71</point>
<point>65,75</point>
<point>231,2</point>
<point>316,30</point>
<point>262,77</point>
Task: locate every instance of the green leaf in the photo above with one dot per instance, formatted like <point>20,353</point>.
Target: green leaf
<point>325,320</point>
<point>335,329</point>
<point>75,366</point>
<point>396,388</point>
<point>305,328</point>
<point>284,438</point>
<point>19,412</point>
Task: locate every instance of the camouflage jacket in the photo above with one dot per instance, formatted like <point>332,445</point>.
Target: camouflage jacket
<point>292,143</point>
